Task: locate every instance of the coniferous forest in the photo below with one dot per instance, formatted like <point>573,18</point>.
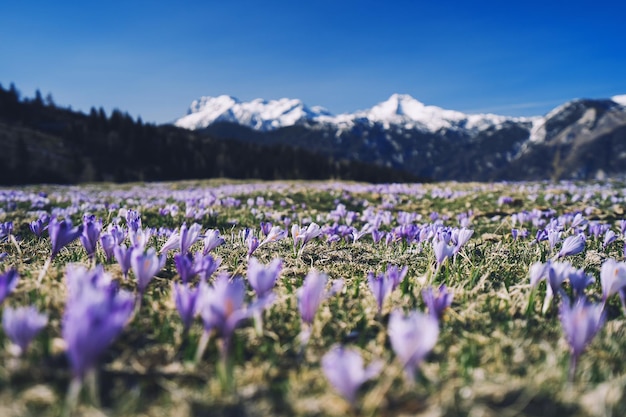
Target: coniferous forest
<point>45,143</point>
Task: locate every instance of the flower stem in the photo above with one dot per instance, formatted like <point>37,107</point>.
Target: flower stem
<point>573,363</point>
<point>43,271</point>
<point>71,400</point>
<point>202,344</point>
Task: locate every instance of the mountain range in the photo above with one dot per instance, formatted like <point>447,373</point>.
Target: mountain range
<point>581,139</point>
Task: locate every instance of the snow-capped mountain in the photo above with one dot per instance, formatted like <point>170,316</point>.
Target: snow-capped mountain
<point>258,114</point>
<point>399,110</point>
<point>582,138</point>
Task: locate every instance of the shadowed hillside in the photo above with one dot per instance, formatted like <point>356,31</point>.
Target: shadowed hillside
<point>42,142</point>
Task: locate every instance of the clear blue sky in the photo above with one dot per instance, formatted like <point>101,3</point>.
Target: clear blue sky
<point>153,58</point>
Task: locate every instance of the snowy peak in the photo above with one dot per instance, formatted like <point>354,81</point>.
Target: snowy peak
<point>400,110</point>
<point>621,99</point>
<point>257,114</point>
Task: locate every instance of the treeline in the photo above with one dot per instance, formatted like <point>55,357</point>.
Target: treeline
<point>45,143</point>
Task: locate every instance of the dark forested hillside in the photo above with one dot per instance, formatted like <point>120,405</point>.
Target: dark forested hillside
<point>42,142</point>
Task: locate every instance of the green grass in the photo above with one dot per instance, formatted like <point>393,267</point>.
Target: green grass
<point>495,356</point>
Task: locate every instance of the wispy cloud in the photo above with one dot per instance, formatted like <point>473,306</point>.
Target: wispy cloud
<point>541,106</point>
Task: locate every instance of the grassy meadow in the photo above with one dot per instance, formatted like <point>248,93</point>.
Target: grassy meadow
<point>497,352</point>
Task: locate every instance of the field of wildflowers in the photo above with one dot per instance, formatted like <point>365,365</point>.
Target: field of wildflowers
<point>313,298</point>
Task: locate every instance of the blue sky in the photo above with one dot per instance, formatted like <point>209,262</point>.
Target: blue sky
<point>153,58</point>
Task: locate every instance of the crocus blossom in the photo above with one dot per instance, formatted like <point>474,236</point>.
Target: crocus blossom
<point>344,369</point>
<point>61,234</point>
<point>95,314</point>
<point>274,234</point>
<point>8,282</point>
<point>185,299</point>
<point>313,292</point>
<point>613,279</point>
<point>123,256</point>
<point>262,278</point>
<point>189,236</point>
<point>581,321</point>
<point>437,303</point>
<point>22,324</point>
<point>442,251</point>
<point>221,306</point>
<point>212,240</point>
<point>90,234</point>
<point>572,245</point>
<point>145,266</point>
<point>381,286</point>
<point>412,337</point>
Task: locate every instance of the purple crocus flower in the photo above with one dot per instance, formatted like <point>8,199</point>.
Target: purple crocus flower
<point>463,236</point>
<point>442,251</point>
<point>212,240</point>
<point>265,228</point>
<point>262,278</point>
<point>581,321</point>
<point>572,245</point>
<point>186,299</point>
<point>61,234</point>
<point>412,337</point>
<point>377,235</point>
<point>609,237</point>
<point>8,282</point>
<point>381,286</point>
<point>206,265</point>
<point>346,372</point>
<point>302,236</point>
<point>252,243</point>
<point>133,220</point>
<point>613,279</point>
<point>108,243</point>
<point>145,266</point>
<point>172,242</point>
<point>554,237</point>
<point>311,295</point>
<point>275,234</point>
<point>6,229</point>
<point>437,303</point>
<point>185,266</point>
<point>22,324</point>
<point>122,256</point>
<point>38,226</point>
<point>95,314</point>
<point>91,232</point>
<point>189,236</point>
<point>139,238</point>
<point>222,305</point>
<point>396,275</point>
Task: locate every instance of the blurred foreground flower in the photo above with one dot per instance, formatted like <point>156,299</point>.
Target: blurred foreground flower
<point>613,279</point>
<point>572,245</point>
<point>145,266</point>
<point>412,337</point>
<point>95,314</point>
<point>8,282</point>
<point>22,324</point>
<point>61,234</point>
<point>310,296</point>
<point>301,236</point>
<point>185,299</point>
<point>212,240</point>
<point>345,371</point>
<point>437,303</point>
<point>581,321</point>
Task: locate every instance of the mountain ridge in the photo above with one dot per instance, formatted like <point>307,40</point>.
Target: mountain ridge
<point>431,142</point>
<point>398,109</point>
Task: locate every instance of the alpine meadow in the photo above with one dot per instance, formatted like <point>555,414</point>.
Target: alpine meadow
<point>313,298</point>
